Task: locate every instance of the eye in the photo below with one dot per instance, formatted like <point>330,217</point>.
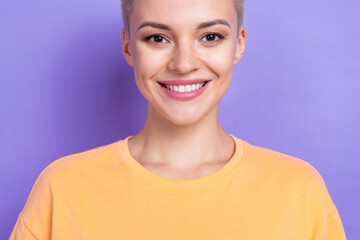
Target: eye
<point>156,39</point>
<point>212,37</point>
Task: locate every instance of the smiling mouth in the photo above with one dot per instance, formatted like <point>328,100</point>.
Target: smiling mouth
<point>184,88</point>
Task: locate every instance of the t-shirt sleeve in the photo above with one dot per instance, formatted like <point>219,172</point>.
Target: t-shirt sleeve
<point>334,229</point>
<point>21,231</point>
<point>327,222</point>
<point>34,222</point>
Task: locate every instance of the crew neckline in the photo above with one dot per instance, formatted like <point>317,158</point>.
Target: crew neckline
<point>179,185</point>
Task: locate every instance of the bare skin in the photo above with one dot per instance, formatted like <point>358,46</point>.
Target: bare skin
<point>183,139</point>
<point>184,152</point>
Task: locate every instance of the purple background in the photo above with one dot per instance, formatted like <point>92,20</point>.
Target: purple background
<point>66,88</point>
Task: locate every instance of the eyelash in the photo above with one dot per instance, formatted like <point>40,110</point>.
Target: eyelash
<point>148,39</point>
<point>219,36</point>
<point>216,35</point>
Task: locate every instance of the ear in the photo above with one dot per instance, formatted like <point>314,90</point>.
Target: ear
<point>125,48</point>
<point>240,45</point>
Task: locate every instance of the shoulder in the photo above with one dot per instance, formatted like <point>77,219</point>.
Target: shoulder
<point>293,184</point>
<point>68,176</point>
<point>285,175</point>
<point>283,168</point>
<point>74,166</point>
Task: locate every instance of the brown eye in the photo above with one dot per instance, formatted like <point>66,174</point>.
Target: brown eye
<point>156,39</point>
<point>212,37</point>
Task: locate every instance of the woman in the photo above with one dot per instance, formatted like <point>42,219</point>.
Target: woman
<point>181,176</point>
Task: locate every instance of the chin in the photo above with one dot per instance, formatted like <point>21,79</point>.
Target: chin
<point>184,121</point>
<point>182,113</point>
<point>181,118</point>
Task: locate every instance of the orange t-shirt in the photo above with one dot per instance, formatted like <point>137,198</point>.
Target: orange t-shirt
<point>104,193</point>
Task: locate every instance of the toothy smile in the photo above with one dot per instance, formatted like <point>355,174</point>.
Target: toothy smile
<point>184,88</point>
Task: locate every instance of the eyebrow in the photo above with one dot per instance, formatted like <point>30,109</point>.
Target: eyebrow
<point>200,26</point>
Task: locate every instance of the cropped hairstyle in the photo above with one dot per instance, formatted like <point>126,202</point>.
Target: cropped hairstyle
<point>127,6</point>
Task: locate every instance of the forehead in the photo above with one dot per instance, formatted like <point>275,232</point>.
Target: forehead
<point>182,12</point>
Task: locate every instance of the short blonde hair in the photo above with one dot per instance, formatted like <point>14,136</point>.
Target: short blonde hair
<point>127,6</point>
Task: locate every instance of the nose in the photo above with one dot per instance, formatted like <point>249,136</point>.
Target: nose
<point>184,59</point>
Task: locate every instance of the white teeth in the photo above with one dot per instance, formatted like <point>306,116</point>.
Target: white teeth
<point>185,88</point>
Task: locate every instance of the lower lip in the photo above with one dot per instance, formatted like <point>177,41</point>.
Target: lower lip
<point>185,95</point>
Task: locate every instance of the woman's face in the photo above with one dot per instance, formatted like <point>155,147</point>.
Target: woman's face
<point>183,52</point>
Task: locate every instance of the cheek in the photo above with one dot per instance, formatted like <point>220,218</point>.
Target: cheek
<point>220,60</point>
<point>148,62</point>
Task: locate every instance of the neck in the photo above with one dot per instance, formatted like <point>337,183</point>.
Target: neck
<point>181,146</point>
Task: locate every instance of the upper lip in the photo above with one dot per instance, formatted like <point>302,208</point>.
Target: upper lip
<point>183,82</point>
